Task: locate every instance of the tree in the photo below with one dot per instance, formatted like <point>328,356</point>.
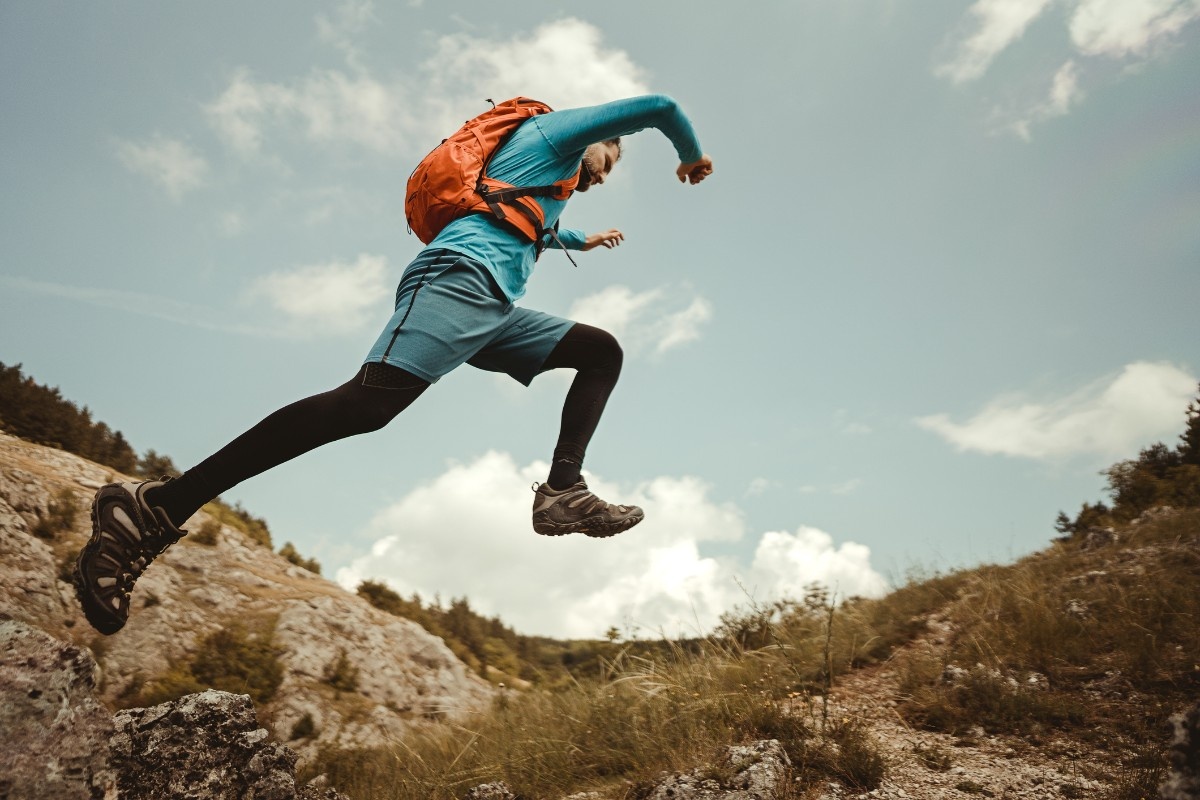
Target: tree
<point>1189,442</point>
<point>155,465</point>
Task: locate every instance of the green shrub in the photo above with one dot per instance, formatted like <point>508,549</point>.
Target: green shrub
<point>303,728</point>
<point>177,682</point>
<point>237,517</point>
<point>61,514</point>
<point>342,674</point>
<point>235,658</point>
<point>207,534</point>
<point>289,552</point>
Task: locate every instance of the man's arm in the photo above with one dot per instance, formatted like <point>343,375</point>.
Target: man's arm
<point>570,131</point>
<point>573,239</point>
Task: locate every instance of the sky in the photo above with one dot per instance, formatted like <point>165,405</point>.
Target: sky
<point>943,275</point>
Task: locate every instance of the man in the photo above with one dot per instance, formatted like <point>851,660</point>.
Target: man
<point>455,304</point>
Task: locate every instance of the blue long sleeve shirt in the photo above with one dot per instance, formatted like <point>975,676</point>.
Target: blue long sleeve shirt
<point>549,148</point>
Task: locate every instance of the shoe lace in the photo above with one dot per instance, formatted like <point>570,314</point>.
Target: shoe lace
<point>143,552</point>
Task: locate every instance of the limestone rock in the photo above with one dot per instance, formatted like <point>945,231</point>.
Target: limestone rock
<point>29,571</point>
<point>55,733</point>
<point>756,771</point>
<point>407,676</point>
<point>490,791</point>
<point>1183,781</point>
<point>400,668</point>
<point>204,745</point>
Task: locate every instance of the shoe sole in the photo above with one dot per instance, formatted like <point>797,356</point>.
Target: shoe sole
<point>93,609</point>
<point>595,529</point>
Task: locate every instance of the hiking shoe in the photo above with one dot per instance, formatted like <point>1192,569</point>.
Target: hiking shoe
<point>127,534</point>
<point>577,510</point>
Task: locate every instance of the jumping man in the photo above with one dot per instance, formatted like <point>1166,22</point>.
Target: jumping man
<point>455,304</point>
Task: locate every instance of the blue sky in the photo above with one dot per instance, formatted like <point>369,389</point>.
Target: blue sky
<point>944,273</point>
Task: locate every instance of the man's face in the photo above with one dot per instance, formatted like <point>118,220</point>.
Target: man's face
<point>599,159</point>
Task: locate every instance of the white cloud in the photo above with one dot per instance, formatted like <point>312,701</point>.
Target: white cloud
<point>1112,418</point>
<point>842,422</point>
<point>165,309</point>
<point>326,298</point>
<point>232,223</point>
<point>1099,29</point>
<point>329,106</point>
<point>1118,28</point>
<point>341,29</point>
<point>759,486</point>
<point>786,563</point>
<point>467,533</point>
<point>1064,93</point>
<point>168,162</point>
<point>999,24</point>
<point>644,320</point>
<point>562,62</point>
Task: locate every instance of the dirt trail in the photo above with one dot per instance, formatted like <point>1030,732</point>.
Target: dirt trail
<point>935,766</point>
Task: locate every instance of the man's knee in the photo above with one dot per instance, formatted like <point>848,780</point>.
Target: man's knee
<point>609,349</point>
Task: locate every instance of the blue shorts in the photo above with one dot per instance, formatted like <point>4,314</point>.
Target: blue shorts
<point>449,310</point>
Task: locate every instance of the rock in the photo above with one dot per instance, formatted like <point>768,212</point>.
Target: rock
<point>1183,780</point>
<point>756,771</point>
<point>29,571</point>
<point>490,791</point>
<point>204,745</point>
<point>1078,609</point>
<point>55,732</point>
<point>954,674</point>
<point>1099,537</point>
<point>407,676</point>
<point>1156,513</point>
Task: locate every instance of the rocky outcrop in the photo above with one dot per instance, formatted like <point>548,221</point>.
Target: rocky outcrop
<point>206,745</point>
<point>406,676</point>
<point>756,771</point>
<point>1183,782</point>
<point>60,743</point>
<point>55,732</point>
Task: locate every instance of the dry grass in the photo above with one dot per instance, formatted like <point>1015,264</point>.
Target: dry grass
<point>640,718</point>
<point>1109,636</point>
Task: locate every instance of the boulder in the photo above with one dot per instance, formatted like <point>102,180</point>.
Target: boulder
<point>1183,780</point>
<point>756,771</point>
<point>56,733</point>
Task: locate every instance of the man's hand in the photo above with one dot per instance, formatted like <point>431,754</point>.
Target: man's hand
<point>695,171</point>
<point>609,238</point>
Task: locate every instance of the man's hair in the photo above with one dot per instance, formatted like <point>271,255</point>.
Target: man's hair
<point>615,142</point>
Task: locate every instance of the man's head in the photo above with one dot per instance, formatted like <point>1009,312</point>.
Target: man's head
<point>598,161</point>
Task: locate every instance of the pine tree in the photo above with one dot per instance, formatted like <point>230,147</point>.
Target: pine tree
<point>1189,442</point>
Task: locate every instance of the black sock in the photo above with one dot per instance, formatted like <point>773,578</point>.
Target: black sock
<point>563,474</point>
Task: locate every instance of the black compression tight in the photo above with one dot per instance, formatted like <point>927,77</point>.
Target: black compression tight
<point>372,399</point>
<point>597,357</point>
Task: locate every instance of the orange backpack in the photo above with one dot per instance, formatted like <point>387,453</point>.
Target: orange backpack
<point>452,180</point>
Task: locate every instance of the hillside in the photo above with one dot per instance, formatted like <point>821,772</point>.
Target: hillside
<point>1054,676</point>
<point>323,665</point>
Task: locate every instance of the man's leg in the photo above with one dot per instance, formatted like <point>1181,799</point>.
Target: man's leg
<point>365,403</point>
<point>564,504</point>
<point>597,357</point>
<point>132,523</point>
